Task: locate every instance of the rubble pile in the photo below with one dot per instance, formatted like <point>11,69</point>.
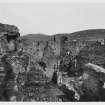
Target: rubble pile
<point>56,68</point>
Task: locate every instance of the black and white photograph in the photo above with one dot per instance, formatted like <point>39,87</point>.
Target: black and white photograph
<point>52,51</point>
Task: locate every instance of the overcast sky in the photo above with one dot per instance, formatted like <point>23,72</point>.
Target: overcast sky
<point>51,18</point>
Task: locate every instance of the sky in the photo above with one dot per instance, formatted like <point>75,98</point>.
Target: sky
<point>53,17</point>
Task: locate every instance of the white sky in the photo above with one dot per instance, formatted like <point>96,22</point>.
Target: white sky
<point>53,17</point>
